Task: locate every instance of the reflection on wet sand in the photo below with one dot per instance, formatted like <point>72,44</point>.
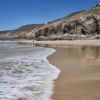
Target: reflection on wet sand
<point>26,43</point>
<point>80,73</point>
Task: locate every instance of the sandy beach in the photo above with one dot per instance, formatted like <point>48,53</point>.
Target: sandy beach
<point>79,62</point>
<point>80,73</point>
<point>65,42</point>
<point>50,50</point>
<point>59,43</point>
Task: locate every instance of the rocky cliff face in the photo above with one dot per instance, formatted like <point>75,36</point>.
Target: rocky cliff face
<point>79,25</point>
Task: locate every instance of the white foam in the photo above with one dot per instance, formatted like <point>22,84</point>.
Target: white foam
<point>30,76</point>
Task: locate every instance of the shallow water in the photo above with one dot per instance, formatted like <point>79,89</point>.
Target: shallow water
<point>25,74</point>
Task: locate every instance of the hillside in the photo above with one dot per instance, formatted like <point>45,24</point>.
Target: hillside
<point>79,25</point>
<point>24,32</point>
<point>83,24</point>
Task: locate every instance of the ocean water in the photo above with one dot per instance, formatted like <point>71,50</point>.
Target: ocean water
<point>25,73</point>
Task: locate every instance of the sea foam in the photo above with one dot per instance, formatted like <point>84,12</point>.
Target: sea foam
<point>27,76</point>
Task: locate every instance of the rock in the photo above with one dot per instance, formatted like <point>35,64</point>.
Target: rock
<point>97,5</point>
<point>89,26</point>
<point>81,25</point>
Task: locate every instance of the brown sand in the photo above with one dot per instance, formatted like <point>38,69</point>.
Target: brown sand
<point>80,73</point>
<point>64,42</point>
<point>58,42</point>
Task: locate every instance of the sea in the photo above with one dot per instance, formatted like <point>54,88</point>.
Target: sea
<point>25,72</point>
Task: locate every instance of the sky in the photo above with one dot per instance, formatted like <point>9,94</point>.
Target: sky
<point>15,13</point>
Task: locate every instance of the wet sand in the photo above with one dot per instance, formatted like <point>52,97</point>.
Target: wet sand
<point>80,73</point>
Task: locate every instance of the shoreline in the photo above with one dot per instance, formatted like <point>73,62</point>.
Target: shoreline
<point>54,77</point>
<point>77,86</point>
<point>60,42</point>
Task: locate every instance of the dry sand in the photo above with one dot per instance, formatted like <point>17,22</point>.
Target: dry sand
<point>58,42</point>
<point>80,73</point>
<point>74,42</point>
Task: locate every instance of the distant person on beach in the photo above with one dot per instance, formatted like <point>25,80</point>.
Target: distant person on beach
<point>33,40</point>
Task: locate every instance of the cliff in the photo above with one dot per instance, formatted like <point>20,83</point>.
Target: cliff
<point>79,25</point>
<point>83,24</point>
